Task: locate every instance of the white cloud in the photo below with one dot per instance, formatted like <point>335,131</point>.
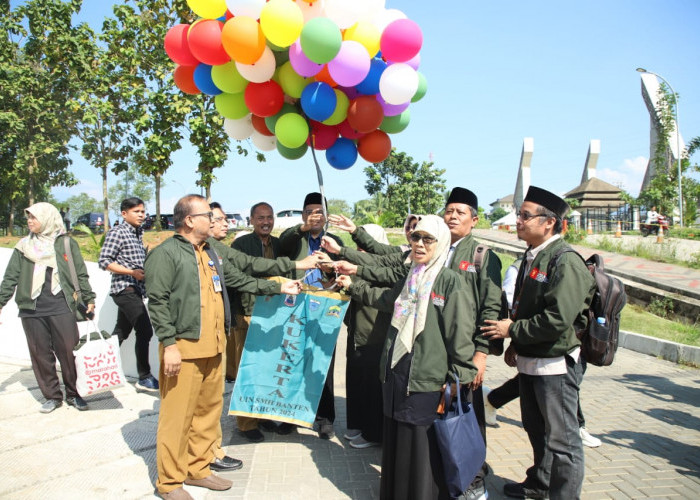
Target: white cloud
<point>628,176</point>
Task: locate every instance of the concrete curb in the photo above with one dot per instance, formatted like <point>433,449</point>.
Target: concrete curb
<point>664,349</point>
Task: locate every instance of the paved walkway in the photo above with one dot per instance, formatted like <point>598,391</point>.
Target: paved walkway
<point>645,410</point>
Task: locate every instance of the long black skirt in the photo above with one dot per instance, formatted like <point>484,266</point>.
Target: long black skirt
<point>411,464</point>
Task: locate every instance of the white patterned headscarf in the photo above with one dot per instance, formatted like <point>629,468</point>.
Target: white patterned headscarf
<point>411,306</point>
<point>39,247</point>
<point>377,232</point>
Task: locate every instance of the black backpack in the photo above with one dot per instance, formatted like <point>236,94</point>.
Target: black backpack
<point>599,337</point>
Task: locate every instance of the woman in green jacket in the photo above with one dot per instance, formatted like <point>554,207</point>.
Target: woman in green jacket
<point>38,272</point>
<point>430,339</point>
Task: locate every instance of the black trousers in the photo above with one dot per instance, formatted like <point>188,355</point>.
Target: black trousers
<point>364,390</point>
<point>326,406</point>
<point>133,315</point>
<point>50,338</point>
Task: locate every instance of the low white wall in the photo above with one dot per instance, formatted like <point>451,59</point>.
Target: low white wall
<point>14,343</point>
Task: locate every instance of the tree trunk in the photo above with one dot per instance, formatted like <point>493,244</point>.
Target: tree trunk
<point>105,199</point>
<point>157,178</point>
<point>207,191</point>
<point>30,173</point>
<point>11,218</point>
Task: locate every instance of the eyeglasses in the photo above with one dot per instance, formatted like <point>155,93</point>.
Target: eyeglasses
<point>220,219</point>
<point>525,216</point>
<point>427,240</point>
<point>204,214</point>
<point>318,211</point>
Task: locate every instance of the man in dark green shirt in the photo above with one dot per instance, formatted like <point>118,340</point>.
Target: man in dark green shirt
<point>548,309</point>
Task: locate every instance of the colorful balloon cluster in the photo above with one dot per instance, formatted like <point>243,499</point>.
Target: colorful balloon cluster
<point>336,75</point>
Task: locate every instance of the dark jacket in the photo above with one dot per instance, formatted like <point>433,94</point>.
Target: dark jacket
<point>172,285</point>
<point>550,309</point>
<point>445,345</point>
<point>19,272</point>
<point>294,243</point>
<point>380,270</point>
<point>365,241</point>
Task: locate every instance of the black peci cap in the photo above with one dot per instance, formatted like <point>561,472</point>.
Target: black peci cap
<point>548,200</point>
<point>313,199</point>
<point>462,195</point>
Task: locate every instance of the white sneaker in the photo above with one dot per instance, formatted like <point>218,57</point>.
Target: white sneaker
<point>351,434</point>
<point>588,440</point>
<point>359,442</point>
<point>490,412</point>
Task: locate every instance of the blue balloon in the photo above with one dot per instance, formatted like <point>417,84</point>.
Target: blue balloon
<point>342,154</point>
<point>370,85</point>
<point>203,81</point>
<point>318,101</point>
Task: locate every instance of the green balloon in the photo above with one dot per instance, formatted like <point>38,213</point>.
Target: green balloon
<point>341,109</point>
<point>422,88</point>
<point>396,124</point>
<point>292,130</point>
<point>228,79</point>
<point>292,153</point>
<point>291,82</point>
<point>231,105</point>
<point>320,39</point>
<point>271,121</point>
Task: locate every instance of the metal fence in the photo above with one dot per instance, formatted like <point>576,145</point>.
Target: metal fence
<point>605,218</point>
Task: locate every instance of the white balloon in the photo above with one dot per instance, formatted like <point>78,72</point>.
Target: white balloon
<point>239,129</point>
<point>345,13</point>
<point>398,83</point>
<point>261,70</point>
<point>263,142</point>
<point>311,10</point>
<point>250,8</point>
<point>374,7</point>
<point>385,17</point>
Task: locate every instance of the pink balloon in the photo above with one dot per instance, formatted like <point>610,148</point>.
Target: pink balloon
<point>392,109</point>
<point>351,65</point>
<point>414,62</point>
<point>401,40</point>
<point>300,63</point>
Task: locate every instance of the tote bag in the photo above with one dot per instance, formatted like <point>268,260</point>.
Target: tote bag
<point>460,442</point>
<point>98,363</point>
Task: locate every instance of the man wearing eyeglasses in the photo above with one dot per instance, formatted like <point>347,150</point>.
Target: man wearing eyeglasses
<point>547,312</point>
<point>461,215</point>
<point>298,242</point>
<point>190,313</point>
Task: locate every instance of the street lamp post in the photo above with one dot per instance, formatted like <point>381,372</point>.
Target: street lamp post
<point>678,142</point>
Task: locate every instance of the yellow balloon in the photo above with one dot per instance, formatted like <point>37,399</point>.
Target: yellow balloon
<point>341,109</point>
<point>365,33</point>
<point>281,22</point>
<point>208,9</point>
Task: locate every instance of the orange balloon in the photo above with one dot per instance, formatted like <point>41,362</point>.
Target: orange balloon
<point>260,125</point>
<point>365,114</point>
<point>325,76</point>
<point>184,79</point>
<point>375,146</point>
<point>243,39</point>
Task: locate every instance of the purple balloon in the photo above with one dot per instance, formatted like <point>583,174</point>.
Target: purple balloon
<point>351,65</point>
<point>302,64</point>
<point>414,62</point>
<point>351,92</point>
<point>392,109</point>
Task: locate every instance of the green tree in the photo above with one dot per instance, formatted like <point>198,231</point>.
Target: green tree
<point>80,204</point>
<point>43,59</point>
<point>130,183</point>
<point>407,186</point>
<point>336,206</point>
<point>497,213</point>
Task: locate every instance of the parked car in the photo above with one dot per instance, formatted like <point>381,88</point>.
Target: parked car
<point>235,221</point>
<point>166,222</point>
<point>288,218</point>
<point>93,220</point>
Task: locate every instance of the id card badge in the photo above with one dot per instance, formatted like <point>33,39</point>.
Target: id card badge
<point>217,282</point>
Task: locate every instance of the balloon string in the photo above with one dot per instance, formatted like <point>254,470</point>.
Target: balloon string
<point>320,183</point>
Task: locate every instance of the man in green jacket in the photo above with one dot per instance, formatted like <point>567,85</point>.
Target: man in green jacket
<point>190,312</point>
<point>547,312</point>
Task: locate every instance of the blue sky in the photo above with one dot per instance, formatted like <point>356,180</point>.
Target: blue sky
<point>560,72</point>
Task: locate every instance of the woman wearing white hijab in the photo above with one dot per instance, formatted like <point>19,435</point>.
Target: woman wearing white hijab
<point>38,271</point>
<point>429,340</point>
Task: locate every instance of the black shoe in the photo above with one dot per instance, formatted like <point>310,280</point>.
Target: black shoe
<point>230,380</point>
<point>326,431</point>
<point>476,491</point>
<point>284,428</point>
<point>520,490</point>
<point>253,435</point>
<point>78,402</point>
<point>267,425</point>
<point>226,464</point>
<point>50,405</point>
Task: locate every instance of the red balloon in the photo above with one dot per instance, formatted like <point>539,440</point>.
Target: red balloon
<point>177,47</point>
<point>347,131</point>
<point>365,114</point>
<point>260,125</point>
<point>184,79</point>
<point>322,136</point>
<point>204,38</point>
<point>375,146</point>
<point>264,99</point>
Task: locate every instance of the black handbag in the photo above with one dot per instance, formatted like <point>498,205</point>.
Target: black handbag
<point>81,313</point>
<point>460,442</point>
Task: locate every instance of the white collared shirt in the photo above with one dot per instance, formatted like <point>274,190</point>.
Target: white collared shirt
<point>451,252</point>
